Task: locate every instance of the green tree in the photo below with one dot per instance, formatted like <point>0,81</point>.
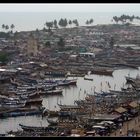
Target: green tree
<point>116,19</point>
<point>87,22</point>
<point>48,44</point>
<point>3,26</point>
<point>61,43</point>
<point>55,23</point>
<point>3,57</point>
<point>12,27</point>
<point>63,22</point>
<point>60,22</point>
<point>91,21</point>
<point>6,27</point>
<point>70,22</point>
<point>112,41</point>
<point>49,25</point>
<point>44,29</point>
<point>75,21</point>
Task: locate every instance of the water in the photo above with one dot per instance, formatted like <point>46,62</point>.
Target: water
<point>69,95</point>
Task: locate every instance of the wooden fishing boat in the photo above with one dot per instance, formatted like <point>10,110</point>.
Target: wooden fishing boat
<point>88,78</point>
<point>64,113</point>
<point>37,128</point>
<point>55,74</point>
<point>66,82</point>
<point>54,92</point>
<point>72,82</point>
<point>50,113</point>
<point>68,106</point>
<point>83,102</point>
<point>27,93</point>
<point>34,100</point>
<point>52,122</point>
<point>130,79</point>
<point>122,92</point>
<point>102,72</point>
<point>13,105</point>
<point>22,113</point>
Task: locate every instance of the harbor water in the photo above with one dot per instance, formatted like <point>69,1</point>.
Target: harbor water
<point>83,87</point>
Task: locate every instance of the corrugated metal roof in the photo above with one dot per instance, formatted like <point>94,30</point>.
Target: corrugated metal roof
<point>120,110</point>
<point>133,104</point>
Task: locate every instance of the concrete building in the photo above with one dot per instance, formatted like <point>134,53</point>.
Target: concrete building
<point>32,48</point>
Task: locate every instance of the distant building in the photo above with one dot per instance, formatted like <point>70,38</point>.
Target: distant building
<point>87,54</point>
<point>32,48</point>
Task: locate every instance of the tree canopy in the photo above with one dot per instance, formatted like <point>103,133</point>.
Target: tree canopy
<point>3,57</point>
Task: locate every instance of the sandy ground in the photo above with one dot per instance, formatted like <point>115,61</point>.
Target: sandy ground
<point>133,124</point>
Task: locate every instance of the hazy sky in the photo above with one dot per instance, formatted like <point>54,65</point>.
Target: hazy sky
<point>31,16</point>
<point>70,7</point>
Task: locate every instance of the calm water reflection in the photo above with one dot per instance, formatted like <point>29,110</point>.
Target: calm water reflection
<point>69,95</point>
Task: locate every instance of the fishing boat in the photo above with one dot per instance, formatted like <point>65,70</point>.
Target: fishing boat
<point>13,105</point>
<point>68,106</point>
<point>22,113</point>
<point>26,93</point>
<point>66,82</point>
<point>130,79</point>
<point>52,122</point>
<point>82,102</point>
<point>50,113</point>
<point>55,74</point>
<point>54,92</point>
<point>37,128</point>
<point>102,72</point>
<point>34,100</point>
<point>122,92</point>
<point>64,113</point>
<point>88,78</point>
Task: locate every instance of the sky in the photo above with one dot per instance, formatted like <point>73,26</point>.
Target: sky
<point>31,16</point>
<point>70,7</point>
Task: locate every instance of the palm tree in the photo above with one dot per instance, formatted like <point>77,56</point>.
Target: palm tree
<point>116,19</point>
<point>3,26</point>
<point>87,22</point>
<point>91,21</point>
<point>55,23</point>
<point>49,25</point>
<point>60,22</point>
<point>70,22</point>
<point>44,29</point>
<point>63,22</point>
<point>12,27</point>
<point>76,22</point>
<point>112,41</point>
<point>66,22</point>
<point>7,27</point>
<point>61,43</point>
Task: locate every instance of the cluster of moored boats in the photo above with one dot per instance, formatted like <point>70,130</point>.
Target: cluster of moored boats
<point>98,114</point>
<point>26,99</point>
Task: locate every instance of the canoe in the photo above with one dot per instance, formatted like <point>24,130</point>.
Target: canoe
<point>23,113</point>
<point>54,92</point>
<point>67,82</point>
<point>34,100</point>
<point>36,128</point>
<point>68,106</point>
<point>52,122</point>
<point>88,78</point>
<point>102,72</point>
